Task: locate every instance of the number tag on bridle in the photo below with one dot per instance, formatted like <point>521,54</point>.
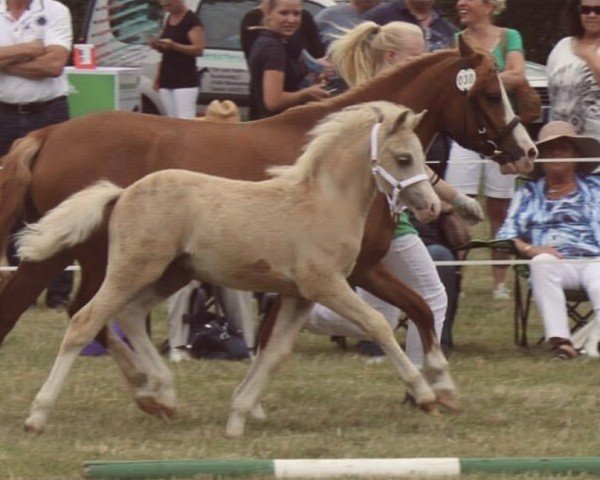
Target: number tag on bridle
<point>465,79</point>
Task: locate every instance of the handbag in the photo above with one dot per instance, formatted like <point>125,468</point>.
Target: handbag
<point>526,101</point>
<point>454,230</point>
<point>211,335</point>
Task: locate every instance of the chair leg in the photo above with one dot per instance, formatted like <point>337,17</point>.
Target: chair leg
<point>521,313</point>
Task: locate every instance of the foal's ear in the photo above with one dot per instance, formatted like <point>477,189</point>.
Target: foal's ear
<point>416,118</point>
<point>400,120</point>
<point>407,119</point>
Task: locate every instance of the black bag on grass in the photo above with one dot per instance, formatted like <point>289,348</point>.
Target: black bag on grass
<point>211,335</point>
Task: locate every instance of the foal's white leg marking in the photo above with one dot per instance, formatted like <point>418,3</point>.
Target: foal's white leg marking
<point>342,300</point>
<point>83,327</point>
<point>290,320</point>
<point>117,290</point>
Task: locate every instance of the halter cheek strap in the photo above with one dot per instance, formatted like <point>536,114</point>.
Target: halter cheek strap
<point>397,185</point>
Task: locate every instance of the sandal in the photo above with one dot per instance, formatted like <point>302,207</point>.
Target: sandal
<point>564,352</point>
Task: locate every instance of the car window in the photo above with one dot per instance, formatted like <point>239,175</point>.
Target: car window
<point>134,21</point>
<point>221,20</point>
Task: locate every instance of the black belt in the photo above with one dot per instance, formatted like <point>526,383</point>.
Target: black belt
<point>33,107</point>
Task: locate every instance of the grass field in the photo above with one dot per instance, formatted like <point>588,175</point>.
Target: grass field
<point>324,403</point>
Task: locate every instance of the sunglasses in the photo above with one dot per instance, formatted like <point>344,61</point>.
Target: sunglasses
<point>588,9</point>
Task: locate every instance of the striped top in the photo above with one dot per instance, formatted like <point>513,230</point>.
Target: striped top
<point>570,224</point>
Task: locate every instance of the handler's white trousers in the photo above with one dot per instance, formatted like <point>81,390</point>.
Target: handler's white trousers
<point>549,277</point>
<point>179,102</point>
<point>410,261</point>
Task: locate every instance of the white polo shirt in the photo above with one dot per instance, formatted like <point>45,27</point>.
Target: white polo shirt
<point>45,20</point>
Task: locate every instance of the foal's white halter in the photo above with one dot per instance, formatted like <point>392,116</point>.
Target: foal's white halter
<point>397,185</point>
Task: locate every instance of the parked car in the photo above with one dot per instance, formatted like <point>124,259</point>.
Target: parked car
<point>120,30</point>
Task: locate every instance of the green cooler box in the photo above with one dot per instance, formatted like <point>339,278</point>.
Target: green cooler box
<point>103,88</point>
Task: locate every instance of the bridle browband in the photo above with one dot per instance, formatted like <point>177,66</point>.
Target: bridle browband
<point>397,185</point>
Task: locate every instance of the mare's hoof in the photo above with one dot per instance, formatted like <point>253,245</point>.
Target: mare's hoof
<point>151,406</point>
<point>446,399</point>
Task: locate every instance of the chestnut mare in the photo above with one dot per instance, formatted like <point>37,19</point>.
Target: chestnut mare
<point>302,232</point>
<point>50,164</point>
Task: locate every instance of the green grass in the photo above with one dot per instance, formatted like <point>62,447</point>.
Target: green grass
<point>323,403</point>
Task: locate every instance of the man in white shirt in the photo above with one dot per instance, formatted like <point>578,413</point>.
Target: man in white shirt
<point>35,42</point>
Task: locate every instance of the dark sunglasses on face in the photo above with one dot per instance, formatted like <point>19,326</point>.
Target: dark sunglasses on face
<point>588,9</point>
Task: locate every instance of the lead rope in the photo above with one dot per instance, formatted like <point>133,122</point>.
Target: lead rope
<point>394,203</point>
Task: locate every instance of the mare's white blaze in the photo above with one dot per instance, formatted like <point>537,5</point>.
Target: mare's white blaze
<point>525,164</point>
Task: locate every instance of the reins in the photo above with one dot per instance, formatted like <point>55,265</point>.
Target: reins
<point>397,185</point>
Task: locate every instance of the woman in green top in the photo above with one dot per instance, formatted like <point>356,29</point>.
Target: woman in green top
<point>363,52</point>
<point>465,167</point>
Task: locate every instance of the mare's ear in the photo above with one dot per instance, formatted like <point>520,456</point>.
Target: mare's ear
<point>469,53</point>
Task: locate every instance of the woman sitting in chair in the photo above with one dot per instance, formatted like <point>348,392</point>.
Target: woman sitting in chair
<point>558,217</point>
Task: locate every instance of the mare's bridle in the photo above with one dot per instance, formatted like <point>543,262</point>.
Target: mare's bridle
<point>488,145</point>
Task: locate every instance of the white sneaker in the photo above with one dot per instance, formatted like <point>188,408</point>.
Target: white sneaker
<point>501,293</point>
<point>177,355</point>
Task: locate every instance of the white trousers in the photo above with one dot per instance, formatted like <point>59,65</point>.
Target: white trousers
<point>410,261</point>
<point>465,171</point>
<point>239,307</point>
<point>179,102</point>
<point>549,278</point>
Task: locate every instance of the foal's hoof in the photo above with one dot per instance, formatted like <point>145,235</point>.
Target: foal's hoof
<point>235,426</point>
<point>446,399</point>
<point>151,406</point>
<point>258,412</point>
<point>34,424</point>
<point>430,408</point>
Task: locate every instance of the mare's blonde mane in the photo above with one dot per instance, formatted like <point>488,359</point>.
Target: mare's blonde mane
<point>336,130</point>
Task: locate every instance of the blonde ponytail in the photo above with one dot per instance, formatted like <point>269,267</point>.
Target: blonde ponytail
<point>353,55</point>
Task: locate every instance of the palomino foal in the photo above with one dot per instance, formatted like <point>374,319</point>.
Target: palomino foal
<point>298,234</point>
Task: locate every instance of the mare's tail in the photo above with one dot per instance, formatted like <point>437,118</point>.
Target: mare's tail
<point>15,179</point>
<point>68,224</point>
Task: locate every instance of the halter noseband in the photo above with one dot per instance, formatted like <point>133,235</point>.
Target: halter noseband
<point>397,185</point>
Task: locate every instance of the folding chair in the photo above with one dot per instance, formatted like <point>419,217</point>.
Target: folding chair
<point>578,309</point>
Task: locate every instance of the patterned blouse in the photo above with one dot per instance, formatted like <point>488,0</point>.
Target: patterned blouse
<point>570,224</point>
<point>574,92</point>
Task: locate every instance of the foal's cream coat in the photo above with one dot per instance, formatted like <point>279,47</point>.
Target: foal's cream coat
<point>298,234</point>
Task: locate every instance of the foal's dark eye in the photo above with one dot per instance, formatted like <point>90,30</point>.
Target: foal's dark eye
<point>404,159</point>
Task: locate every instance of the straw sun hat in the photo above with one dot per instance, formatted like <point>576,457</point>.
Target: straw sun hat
<point>221,111</point>
<point>586,146</point>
